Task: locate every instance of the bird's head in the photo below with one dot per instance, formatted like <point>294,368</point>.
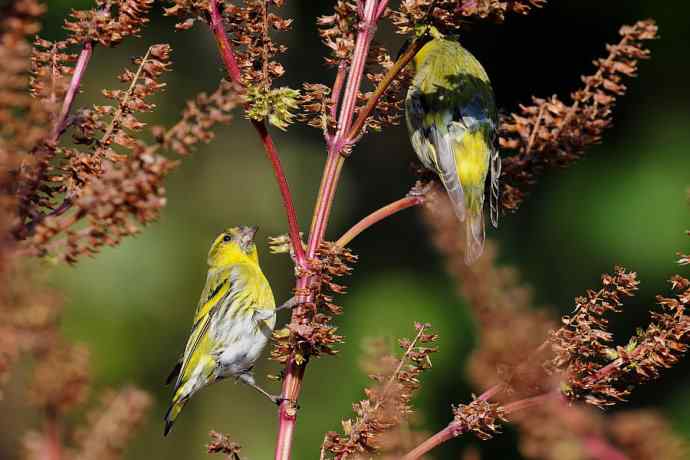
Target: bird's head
<point>234,245</point>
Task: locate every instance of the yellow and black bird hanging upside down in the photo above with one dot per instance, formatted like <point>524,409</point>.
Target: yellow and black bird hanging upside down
<point>452,119</point>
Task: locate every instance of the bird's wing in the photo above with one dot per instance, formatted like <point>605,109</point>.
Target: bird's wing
<point>495,187</point>
<point>428,121</point>
<point>447,170</point>
<point>214,294</point>
<point>420,132</point>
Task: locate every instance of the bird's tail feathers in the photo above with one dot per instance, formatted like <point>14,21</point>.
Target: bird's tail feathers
<point>173,411</point>
<point>474,226</point>
<point>174,373</point>
<point>495,200</point>
<point>455,193</point>
<point>474,229</point>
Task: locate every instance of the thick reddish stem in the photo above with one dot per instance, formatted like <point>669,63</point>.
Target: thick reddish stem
<point>230,62</point>
<point>79,71</point>
<point>274,158</point>
<point>378,216</point>
<point>294,372</point>
<point>224,47</point>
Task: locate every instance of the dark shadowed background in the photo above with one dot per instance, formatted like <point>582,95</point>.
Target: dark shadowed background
<point>624,203</point>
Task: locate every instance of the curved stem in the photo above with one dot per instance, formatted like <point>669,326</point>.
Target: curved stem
<point>378,216</point>
<point>224,47</point>
<point>79,71</point>
<point>288,205</point>
<point>233,70</point>
<point>456,428</point>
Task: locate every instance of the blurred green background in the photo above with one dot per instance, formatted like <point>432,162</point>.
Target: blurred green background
<point>624,203</point>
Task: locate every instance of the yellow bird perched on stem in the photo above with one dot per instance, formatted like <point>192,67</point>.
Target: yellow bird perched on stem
<point>452,119</point>
<point>232,324</point>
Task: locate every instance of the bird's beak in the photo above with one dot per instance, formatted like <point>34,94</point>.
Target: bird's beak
<point>248,233</point>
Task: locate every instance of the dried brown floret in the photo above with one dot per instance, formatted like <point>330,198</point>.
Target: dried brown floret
<point>551,133</point>
<point>101,185</point>
<point>511,330</point>
<point>249,27</point>
<point>189,10</point>
<point>582,346</point>
<point>222,444</point>
<point>19,19</point>
<point>51,67</point>
<point>25,121</point>
<point>109,22</point>
<point>30,312</point>
<point>313,334</point>
<point>110,427</point>
<point>450,14</point>
<point>199,117</point>
<point>388,110</point>
<point>479,417</point>
<point>388,401</point>
<point>338,31</point>
<point>317,106</point>
<point>61,379</point>
<point>127,194</point>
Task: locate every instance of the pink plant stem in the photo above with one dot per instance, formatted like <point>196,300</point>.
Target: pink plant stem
<point>456,428</point>
<point>233,69</point>
<point>605,371</point>
<point>72,90</point>
<point>378,216</point>
<point>367,28</point>
<point>491,392</point>
<point>224,47</point>
<point>381,9</point>
<point>449,432</point>
<point>530,402</point>
<point>294,372</point>
<point>338,87</point>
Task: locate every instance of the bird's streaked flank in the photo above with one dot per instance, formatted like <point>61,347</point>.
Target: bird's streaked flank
<point>451,116</point>
<point>233,321</point>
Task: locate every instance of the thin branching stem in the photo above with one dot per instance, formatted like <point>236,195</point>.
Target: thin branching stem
<point>378,216</point>
<point>456,428</point>
<point>105,140</point>
<point>391,75</point>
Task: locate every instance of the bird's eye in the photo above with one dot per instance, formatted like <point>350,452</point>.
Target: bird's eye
<point>227,238</point>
